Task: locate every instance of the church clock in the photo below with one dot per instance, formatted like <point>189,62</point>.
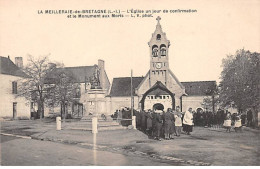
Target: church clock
<point>158,65</point>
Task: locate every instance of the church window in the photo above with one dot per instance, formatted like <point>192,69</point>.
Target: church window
<point>163,97</point>
<point>158,37</point>
<point>155,51</point>
<point>168,97</point>
<point>163,50</point>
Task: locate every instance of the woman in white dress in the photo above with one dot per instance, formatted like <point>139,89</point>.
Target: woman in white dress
<point>227,122</point>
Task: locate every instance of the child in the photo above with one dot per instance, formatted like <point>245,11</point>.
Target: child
<point>227,122</point>
<point>238,125</point>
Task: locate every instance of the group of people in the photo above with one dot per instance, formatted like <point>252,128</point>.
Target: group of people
<point>233,120</point>
<point>208,118</point>
<point>159,124</point>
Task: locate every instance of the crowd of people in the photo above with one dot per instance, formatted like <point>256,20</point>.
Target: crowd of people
<point>159,124</point>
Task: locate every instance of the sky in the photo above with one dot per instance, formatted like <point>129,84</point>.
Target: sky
<point>199,41</point>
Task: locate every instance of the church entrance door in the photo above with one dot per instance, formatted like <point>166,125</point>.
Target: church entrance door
<point>158,106</point>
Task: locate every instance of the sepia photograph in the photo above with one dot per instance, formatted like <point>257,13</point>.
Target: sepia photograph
<point>130,83</point>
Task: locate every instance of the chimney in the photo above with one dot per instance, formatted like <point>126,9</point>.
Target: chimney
<point>101,64</point>
<point>19,62</point>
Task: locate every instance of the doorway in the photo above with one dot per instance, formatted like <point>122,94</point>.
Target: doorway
<point>158,106</point>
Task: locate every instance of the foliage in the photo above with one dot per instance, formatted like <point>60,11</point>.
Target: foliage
<point>48,84</point>
<point>64,90</point>
<point>33,88</point>
<point>240,80</point>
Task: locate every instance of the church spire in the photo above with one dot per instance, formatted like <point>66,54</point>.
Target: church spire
<point>158,22</point>
<point>158,19</point>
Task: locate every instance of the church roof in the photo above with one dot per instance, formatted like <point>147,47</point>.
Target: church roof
<point>199,88</point>
<point>121,86</point>
<point>7,67</point>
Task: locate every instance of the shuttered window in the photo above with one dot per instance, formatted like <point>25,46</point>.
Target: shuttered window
<point>14,87</point>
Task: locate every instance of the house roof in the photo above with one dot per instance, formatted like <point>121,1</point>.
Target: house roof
<point>121,86</point>
<point>80,74</point>
<point>199,88</point>
<point>7,67</point>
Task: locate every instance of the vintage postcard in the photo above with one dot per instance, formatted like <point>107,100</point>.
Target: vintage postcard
<point>129,83</point>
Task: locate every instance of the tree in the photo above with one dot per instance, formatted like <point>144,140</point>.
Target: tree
<point>240,80</point>
<point>64,89</point>
<point>33,88</point>
<point>210,103</point>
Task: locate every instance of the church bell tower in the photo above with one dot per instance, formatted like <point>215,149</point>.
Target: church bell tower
<point>159,60</point>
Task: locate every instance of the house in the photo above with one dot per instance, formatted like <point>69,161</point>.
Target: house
<point>10,75</point>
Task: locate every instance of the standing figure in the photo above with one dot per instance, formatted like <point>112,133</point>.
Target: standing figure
<point>249,118</point>
<point>227,122</point>
<point>154,124</point>
<point>188,121</point>
<point>138,120</point>
<point>149,123</point>
<point>159,125</point>
<point>238,124</point>
<point>168,124</point>
<point>143,119</point>
<point>178,121</point>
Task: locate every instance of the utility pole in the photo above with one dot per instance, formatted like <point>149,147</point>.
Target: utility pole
<point>132,106</point>
<point>132,103</point>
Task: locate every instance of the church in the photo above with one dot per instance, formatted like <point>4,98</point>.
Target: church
<point>159,88</point>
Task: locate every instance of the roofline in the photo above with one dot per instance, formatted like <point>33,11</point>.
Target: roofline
<point>110,87</point>
<point>179,83</point>
<point>140,84</point>
<point>76,67</point>
<point>128,77</point>
<point>199,81</point>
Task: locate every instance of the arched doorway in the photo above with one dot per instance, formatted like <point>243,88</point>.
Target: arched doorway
<point>158,106</point>
<point>160,86</point>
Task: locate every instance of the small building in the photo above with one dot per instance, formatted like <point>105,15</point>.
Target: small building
<point>11,74</point>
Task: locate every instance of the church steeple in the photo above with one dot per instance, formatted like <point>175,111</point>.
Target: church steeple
<point>159,62</point>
